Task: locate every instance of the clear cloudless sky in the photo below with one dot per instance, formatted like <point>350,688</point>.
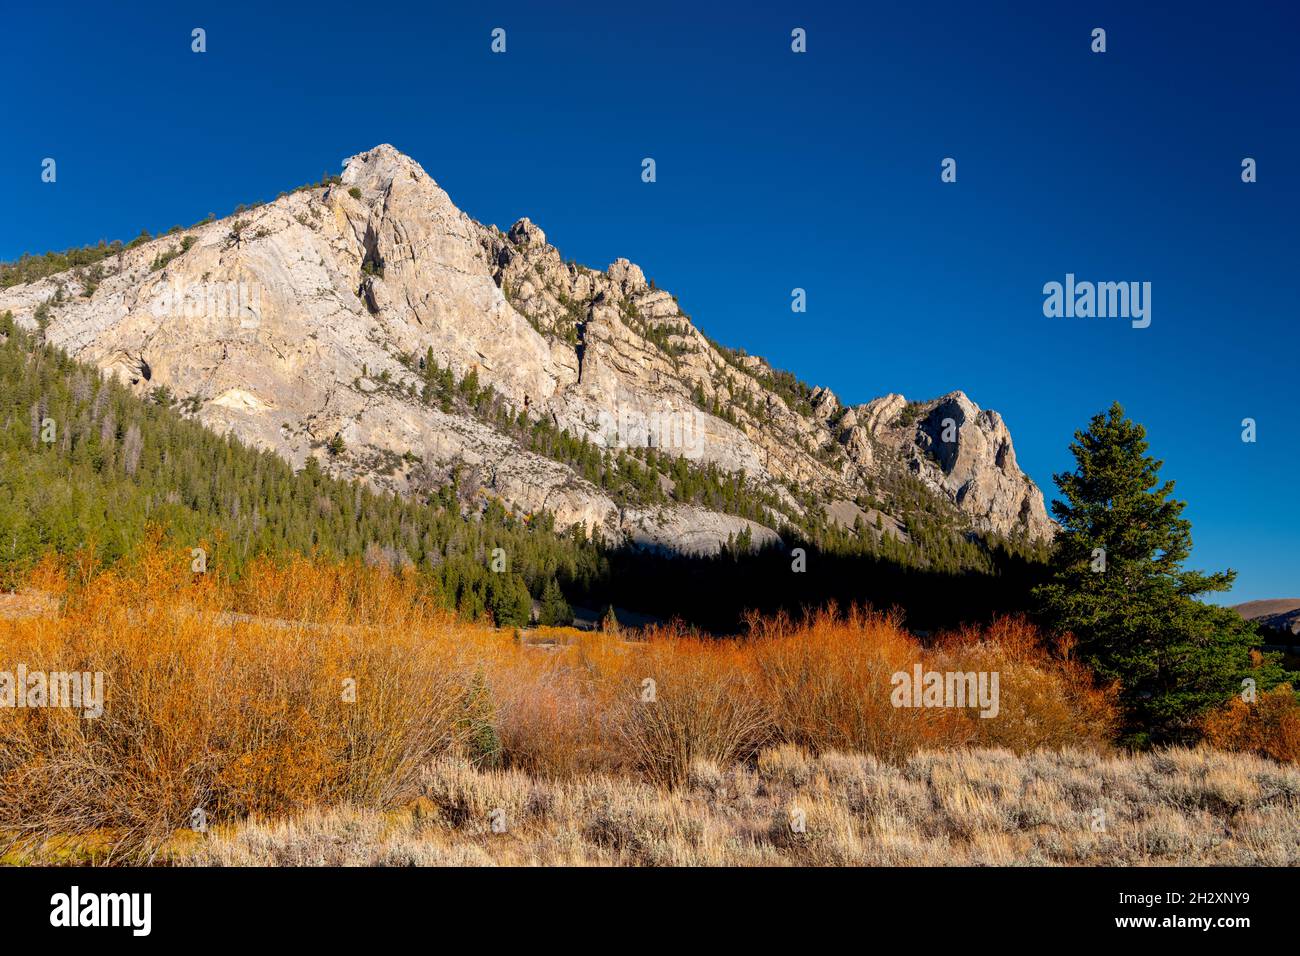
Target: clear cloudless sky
<point>776,170</point>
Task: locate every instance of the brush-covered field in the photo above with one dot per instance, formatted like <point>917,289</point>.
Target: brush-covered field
<point>316,712</point>
<point>787,807</point>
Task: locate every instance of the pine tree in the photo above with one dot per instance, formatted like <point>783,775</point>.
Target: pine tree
<point>1117,584</point>
<point>555,610</point>
<point>508,600</point>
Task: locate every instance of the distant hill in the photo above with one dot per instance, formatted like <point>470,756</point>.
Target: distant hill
<point>1278,614</point>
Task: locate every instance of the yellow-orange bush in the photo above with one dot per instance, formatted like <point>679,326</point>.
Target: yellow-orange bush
<point>1048,699</point>
<point>548,711</point>
<point>827,681</point>
<point>230,697</point>
<point>218,711</point>
<point>823,683</point>
<point>685,698</point>
<point>1269,726</point>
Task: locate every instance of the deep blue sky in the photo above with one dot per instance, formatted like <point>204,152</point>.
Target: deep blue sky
<point>776,170</point>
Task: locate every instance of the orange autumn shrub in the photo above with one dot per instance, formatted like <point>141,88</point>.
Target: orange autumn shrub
<point>1047,698</point>
<point>683,698</point>
<point>222,713</point>
<point>650,706</point>
<point>550,707</point>
<point>829,683</point>
<point>1270,726</point>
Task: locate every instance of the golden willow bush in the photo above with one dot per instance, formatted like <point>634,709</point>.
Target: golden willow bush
<point>231,696</point>
<point>233,714</point>
<point>1269,726</point>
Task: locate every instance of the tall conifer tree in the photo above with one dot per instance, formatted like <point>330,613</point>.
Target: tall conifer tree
<point>1118,585</point>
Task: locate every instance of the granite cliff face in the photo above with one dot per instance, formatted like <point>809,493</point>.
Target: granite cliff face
<point>303,326</point>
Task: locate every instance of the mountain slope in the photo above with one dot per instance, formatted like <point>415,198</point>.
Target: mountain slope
<point>371,324</point>
<point>84,462</point>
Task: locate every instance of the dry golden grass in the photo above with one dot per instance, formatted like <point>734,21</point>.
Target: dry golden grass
<point>960,808</point>
<point>232,697</point>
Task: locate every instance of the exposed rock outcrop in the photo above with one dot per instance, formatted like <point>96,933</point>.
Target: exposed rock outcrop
<point>299,320</point>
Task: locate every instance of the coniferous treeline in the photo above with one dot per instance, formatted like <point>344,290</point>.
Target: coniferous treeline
<point>84,459</point>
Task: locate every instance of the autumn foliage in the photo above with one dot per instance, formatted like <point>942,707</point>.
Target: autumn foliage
<point>307,683</point>
<point>1269,725</point>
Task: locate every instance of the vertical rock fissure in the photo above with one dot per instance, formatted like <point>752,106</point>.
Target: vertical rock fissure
<point>581,348</point>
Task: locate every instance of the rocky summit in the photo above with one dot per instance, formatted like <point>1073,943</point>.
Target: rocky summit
<point>313,325</point>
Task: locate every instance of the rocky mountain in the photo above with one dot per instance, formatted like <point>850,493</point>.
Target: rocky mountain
<point>320,323</point>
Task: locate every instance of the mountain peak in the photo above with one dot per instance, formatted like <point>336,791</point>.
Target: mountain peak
<point>376,169</point>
